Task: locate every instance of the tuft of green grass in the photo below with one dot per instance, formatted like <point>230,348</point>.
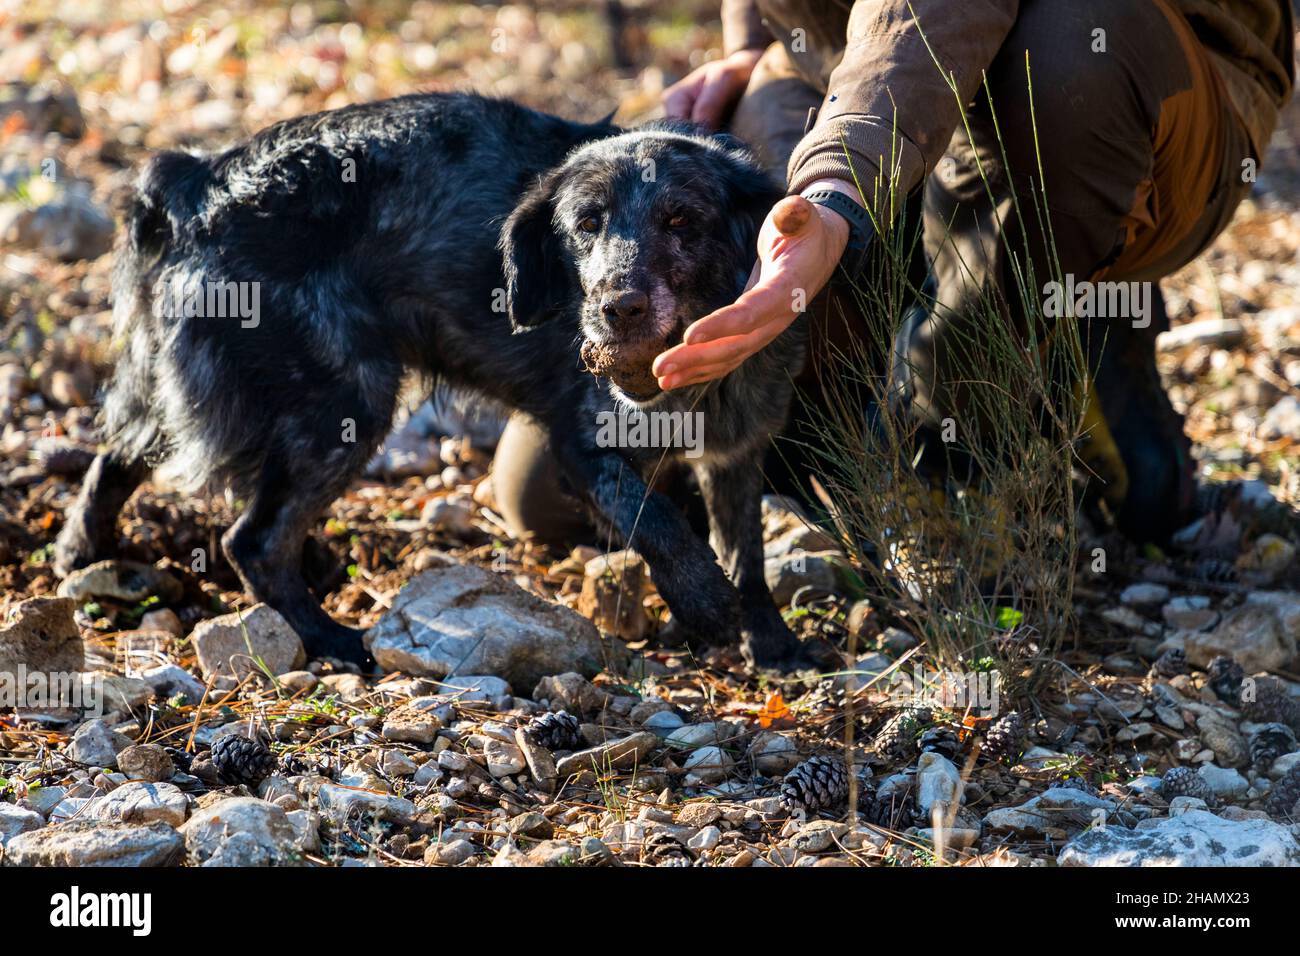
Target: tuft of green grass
<point>977,555</point>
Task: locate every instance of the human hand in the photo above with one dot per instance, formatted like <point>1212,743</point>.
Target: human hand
<point>707,93</point>
<point>799,246</point>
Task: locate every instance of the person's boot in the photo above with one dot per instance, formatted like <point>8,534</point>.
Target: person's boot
<point>1135,454</point>
<point>1136,444</point>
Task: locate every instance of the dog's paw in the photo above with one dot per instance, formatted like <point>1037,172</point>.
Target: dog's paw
<point>704,605</point>
<point>700,596</point>
<point>73,550</point>
<point>767,644</point>
<point>674,635</point>
<point>340,643</point>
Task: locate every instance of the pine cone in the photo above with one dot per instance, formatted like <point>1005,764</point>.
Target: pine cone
<point>828,694</point>
<point>556,730</point>
<point>1003,738</point>
<point>1171,663</point>
<point>1213,571</point>
<point>180,758</point>
<point>942,741</point>
<point>240,759</point>
<point>663,849</point>
<point>819,783</point>
<point>890,807</point>
<point>867,808</point>
<point>1270,742</point>
<point>897,740</point>
<point>1267,700</point>
<point>1185,782</point>
<point>1222,737</point>
<point>1067,782</point>
<point>1284,798</point>
<point>1225,680</point>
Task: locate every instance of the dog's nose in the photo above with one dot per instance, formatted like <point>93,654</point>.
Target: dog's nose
<point>627,307</point>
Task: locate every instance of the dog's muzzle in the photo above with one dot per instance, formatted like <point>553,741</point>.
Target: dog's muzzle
<point>626,364</point>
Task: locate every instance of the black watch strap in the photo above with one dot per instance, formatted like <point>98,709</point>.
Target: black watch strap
<point>860,229</point>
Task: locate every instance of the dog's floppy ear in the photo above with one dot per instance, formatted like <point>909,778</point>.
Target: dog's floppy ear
<point>537,281</point>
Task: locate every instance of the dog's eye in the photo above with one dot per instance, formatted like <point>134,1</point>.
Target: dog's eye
<point>588,224</point>
<point>679,221</point>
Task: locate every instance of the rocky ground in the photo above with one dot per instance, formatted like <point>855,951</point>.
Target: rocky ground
<point>1166,734</point>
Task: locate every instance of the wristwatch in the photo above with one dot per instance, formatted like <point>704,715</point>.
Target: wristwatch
<point>860,229</point>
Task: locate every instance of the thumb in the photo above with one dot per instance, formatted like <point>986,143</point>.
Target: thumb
<point>791,215</point>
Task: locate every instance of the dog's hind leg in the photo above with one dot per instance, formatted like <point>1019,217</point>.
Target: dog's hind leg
<point>733,495</point>
<point>90,530</point>
<point>265,545</point>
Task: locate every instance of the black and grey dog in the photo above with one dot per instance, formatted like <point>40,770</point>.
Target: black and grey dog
<point>270,300</point>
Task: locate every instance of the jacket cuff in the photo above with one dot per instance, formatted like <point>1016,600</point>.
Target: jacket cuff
<point>859,149</point>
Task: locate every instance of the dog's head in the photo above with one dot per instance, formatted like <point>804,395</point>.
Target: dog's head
<point>639,235</point>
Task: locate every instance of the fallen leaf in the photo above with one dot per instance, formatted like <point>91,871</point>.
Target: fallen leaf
<point>774,709</point>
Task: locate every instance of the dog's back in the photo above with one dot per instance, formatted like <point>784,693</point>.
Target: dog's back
<point>298,274</point>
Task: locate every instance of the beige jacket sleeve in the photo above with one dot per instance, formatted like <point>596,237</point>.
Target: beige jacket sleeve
<point>742,26</point>
<point>889,105</point>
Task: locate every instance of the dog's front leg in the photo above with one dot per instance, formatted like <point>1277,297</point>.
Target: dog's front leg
<point>90,531</point>
<point>265,546</point>
<point>682,566</point>
<point>733,494</point>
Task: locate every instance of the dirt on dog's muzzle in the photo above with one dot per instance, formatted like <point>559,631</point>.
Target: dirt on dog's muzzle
<point>627,365</point>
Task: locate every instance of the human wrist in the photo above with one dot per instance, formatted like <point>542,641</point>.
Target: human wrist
<point>847,222</point>
<point>839,185</point>
<point>835,224</point>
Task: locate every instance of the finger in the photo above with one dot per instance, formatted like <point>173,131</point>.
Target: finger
<point>668,361</point>
<point>712,103</point>
<point>739,318</point>
<point>697,376</point>
<point>677,104</point>
<point>679,99</point>
<point>791,215</point>
<point>679,358</point>
<point>701,378</point>
<point>768,301</point>
<point>684,358</point>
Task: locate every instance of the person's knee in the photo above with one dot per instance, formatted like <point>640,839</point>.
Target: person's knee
<point>1078,87</point>
<point>528,490</point>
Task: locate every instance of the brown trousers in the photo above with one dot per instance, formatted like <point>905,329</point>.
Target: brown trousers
<point>1142,158</point>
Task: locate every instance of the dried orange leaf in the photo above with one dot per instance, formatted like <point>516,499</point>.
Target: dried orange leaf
<point>774,709</point>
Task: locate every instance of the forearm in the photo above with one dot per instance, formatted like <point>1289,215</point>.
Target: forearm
<point>742,27</point>
<point>890,112</point>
